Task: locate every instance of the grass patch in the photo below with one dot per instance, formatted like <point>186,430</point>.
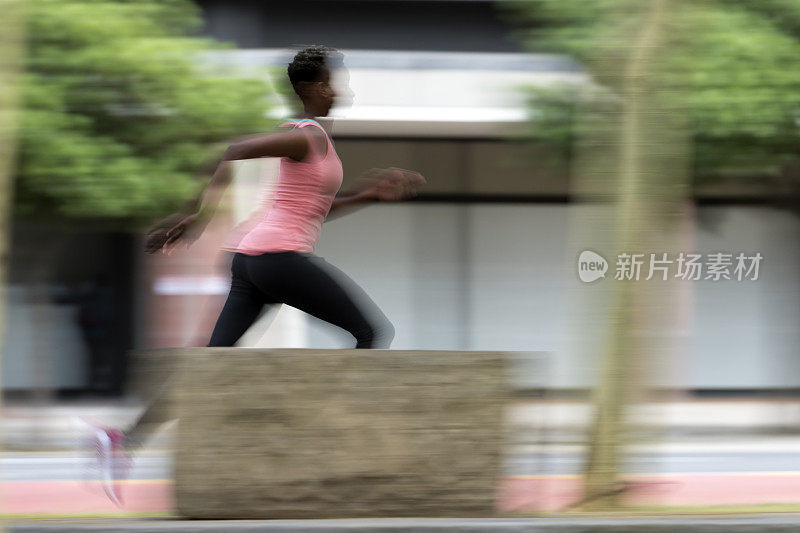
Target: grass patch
<point>664,511</point>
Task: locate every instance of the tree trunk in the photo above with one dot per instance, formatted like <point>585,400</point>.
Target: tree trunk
<point>12,31</point>
<point>652,169</point>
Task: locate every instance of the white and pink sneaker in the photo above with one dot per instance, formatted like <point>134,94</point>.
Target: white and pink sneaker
<point>113,460</point>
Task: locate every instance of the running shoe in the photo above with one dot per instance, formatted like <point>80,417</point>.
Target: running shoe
<point>112,459</point>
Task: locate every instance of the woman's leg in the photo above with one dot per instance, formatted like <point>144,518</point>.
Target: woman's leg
<point>212,306</point>
<point>316,287</point>
<point>241,309</point>
<point>157,413</point>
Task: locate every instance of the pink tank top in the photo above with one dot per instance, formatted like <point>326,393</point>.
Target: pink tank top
<point>303,196</point>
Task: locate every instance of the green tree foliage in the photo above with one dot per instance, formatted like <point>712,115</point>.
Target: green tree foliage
<point>120,110</point>
<point>735,70</point>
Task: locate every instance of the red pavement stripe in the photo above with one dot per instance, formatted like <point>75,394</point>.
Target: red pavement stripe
<point>520,493</point>
<point>77,497</point>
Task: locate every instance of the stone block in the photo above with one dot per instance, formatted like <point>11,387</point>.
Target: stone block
<point>338,433</point>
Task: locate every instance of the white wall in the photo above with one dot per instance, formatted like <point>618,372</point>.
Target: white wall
<point>502,277</point>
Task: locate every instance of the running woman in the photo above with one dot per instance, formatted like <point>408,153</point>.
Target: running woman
<point>274,262</point>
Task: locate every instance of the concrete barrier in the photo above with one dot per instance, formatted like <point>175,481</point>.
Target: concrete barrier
<point>344,433</point>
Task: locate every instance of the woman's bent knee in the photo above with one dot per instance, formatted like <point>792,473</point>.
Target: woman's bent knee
<point>377,336</point>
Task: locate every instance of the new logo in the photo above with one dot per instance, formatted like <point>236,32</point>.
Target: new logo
<point>591,266</point>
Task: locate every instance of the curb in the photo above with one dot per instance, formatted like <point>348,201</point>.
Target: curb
<point>761,523</point>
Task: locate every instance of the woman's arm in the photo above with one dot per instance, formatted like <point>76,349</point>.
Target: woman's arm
<point>377,185</point>
<point>348,202</point>
<point>190,223</point>
<point>293,143</point>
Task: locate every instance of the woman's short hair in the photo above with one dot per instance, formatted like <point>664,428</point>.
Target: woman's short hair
<point>311,62</point>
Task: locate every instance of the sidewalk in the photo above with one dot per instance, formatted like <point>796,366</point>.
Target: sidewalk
<point>754,523</point>
<point>693,428</point>
<point>24,426</point>
<point>27,427</point>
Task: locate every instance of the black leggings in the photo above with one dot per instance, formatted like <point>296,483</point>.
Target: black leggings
<point>306,282</point>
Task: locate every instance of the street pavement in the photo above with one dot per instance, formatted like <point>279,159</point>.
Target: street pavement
<point>736,453</point>
<point>26,427</point>
<point>534,479</point>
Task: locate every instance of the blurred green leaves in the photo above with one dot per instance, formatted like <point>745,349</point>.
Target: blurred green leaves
<point>119,110</point>
<point>733,68</point>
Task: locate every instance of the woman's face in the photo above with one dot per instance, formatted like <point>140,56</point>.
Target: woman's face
<point>337,89</point>
<point>331,88</point>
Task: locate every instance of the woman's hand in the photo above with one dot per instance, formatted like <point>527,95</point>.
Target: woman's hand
<point>167,233</point>
<point>187,230</point>
<point>157,235</point>
<point>391,184</point>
